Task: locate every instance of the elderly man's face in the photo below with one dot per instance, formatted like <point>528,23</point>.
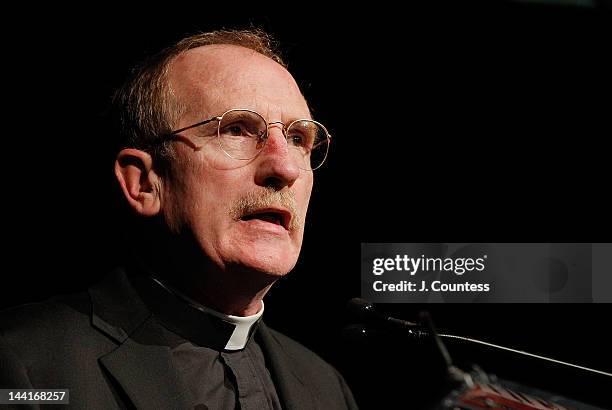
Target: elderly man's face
<point>208,193</point>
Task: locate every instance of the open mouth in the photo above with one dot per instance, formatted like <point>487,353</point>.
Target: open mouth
<point>276,217</point>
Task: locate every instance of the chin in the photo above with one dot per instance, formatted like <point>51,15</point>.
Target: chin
<point>260,250</point>
<point>272,262</point>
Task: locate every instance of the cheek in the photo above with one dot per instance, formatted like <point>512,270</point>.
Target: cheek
<point>194,196</point>
<point>211,196</point>
<point>305,192</point>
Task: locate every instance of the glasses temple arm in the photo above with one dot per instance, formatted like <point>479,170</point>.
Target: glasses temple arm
<point>192,126</point>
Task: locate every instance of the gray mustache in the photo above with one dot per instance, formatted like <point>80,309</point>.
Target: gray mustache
<point>266,198</point>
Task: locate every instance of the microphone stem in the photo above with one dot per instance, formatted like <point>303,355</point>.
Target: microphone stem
<point>468,339</point>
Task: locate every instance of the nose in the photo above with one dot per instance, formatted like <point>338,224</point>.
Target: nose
<point>275,166</point>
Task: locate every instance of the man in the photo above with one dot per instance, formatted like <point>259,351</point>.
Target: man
<point>219,161</point>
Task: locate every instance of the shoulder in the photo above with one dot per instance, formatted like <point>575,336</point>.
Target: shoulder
<point>45,329</point>
<point>77,320</point>
<point>47,315</point>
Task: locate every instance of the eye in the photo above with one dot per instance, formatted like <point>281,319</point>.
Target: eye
<point>296,140</point>
<point>236,129</point>
<point>301,138</point>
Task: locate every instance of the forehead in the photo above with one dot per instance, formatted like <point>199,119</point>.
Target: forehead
<point>216,78</point>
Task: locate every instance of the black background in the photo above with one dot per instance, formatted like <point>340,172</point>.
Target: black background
<point>452,122</point>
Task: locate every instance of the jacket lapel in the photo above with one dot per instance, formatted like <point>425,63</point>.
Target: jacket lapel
<point>141,366</point>
<point>147,375</point>
<point>291,389</point>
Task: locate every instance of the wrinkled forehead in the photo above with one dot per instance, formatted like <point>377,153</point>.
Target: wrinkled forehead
<point>212,79</point>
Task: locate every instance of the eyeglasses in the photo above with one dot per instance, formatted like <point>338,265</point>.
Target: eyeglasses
<point>242,135</point>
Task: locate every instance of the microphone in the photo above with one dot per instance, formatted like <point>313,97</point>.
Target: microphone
<point>366,311</point>
<point>460,385</point>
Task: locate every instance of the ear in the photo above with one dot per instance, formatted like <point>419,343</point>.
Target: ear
<point>139,181</point>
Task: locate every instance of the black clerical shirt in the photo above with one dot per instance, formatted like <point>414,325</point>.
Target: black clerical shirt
<point>219,378</point>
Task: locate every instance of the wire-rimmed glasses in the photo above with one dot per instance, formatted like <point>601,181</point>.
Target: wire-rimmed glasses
<point>243,133</point>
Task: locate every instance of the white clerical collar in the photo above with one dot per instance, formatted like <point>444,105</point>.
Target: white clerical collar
<point>243,325</point>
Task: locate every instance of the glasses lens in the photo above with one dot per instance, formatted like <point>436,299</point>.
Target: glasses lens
<point>241,133</point>
<point>310,143</point>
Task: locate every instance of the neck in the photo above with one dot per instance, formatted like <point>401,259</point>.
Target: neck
<point>237,292</point>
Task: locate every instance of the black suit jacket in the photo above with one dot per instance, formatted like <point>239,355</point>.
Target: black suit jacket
<point>103,345</point>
